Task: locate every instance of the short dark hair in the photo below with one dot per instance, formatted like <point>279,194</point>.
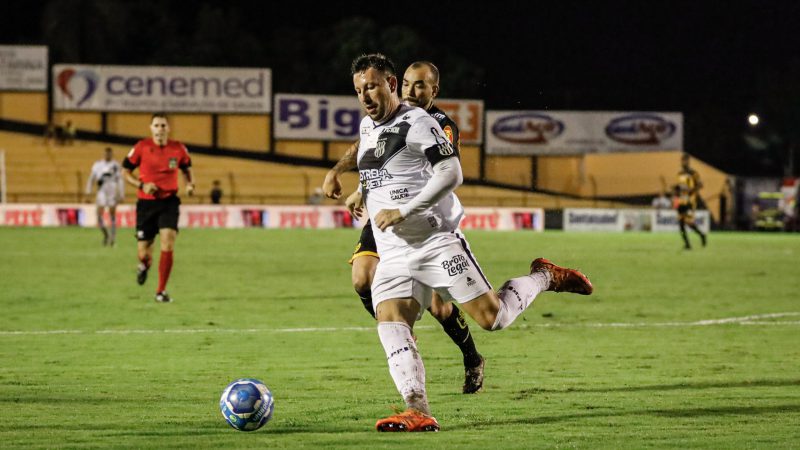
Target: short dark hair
<point>431,66</point>
<point>160,115</point>
<point>377,61</point>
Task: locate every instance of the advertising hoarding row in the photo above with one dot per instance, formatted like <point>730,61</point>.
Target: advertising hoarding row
<point>579,132</point>
<point>253,216</point>
<point>618,220</point>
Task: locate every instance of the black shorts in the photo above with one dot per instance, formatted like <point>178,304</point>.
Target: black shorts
<point>366,244</point>
<point>685,210</point>
<point>153,215</point>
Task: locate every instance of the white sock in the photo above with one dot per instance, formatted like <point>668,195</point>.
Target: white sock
<point>517,294</point>
<point>405,364</point>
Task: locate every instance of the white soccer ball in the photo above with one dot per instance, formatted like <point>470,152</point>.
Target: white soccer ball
<point>246,404</point>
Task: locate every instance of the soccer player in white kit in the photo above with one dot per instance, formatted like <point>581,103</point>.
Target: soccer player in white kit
<point>408,171</point>
<point>107,174</point>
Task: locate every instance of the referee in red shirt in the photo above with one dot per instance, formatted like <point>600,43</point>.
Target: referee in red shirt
<point>157,209</point>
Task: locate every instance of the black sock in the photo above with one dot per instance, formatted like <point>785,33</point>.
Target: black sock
<point>456,327</point>
<point>684,236</point>
<point>366,300</point>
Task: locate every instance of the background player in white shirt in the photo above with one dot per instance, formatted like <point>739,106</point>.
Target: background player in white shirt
<point>107,176</point>
<point>408,172</point>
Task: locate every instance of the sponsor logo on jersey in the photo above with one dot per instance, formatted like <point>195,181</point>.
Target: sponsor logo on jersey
<point>528,128</point>
<point>373,178</point>
<point>398,194</point>
<point>456,265</point>
<point>470,282</point>
<point>173,163</point>
<point>640,129</point>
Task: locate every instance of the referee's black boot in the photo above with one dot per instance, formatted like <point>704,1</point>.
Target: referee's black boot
<point>141,273</point>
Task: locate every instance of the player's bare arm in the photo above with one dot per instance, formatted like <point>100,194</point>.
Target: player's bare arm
<point>332,187</point>
<point>147,188</point>
<point>188,175</point>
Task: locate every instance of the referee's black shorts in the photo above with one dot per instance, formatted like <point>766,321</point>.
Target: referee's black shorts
<point>153,215</point>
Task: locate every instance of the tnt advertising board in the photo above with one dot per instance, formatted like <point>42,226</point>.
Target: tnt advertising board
<point>337,117</point>
<point>23,68</point>
<point>579,132</point>
<point>169,89</point>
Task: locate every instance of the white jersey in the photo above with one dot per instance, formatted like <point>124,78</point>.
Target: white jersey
<point>108,177</point>
<point>395,160</point>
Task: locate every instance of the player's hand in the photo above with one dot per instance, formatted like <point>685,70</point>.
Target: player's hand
<point>332,187</point>
<point>190,189</point>
<point>388,217</point>
<point>149,188</point>
<point>355,203</point>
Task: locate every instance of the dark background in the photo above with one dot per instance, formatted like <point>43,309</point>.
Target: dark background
<point>714,61</point>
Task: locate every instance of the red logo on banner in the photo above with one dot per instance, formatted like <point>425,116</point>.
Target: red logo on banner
<point>481,222</point>
<point>299,219</point>
<point>207,219</point>
<point>24,217</point>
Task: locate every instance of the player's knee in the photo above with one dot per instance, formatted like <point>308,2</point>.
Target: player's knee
<point>440,310</point>
<point>361,283</point>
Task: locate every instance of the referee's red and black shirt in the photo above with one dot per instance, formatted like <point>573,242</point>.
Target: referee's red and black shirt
<point>158,165</point>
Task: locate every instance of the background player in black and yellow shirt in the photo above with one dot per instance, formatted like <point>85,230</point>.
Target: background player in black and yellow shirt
<point>420,87</point>
<point>687,191</point>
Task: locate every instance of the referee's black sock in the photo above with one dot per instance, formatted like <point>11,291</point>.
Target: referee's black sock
<point>456,327</point>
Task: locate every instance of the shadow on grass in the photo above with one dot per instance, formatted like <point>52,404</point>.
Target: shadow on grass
<point>525,393</point>
<point>670,413</point>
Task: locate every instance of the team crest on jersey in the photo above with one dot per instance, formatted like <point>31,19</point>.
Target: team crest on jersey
<point>380,148</point>
<point>448,132</point>
<point>173,163</point>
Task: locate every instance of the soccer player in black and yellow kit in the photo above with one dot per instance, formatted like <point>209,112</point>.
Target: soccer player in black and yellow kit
<point>687,190</point>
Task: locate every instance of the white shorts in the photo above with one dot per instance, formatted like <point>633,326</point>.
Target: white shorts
<point>444,264</point>
<point>106,199</point>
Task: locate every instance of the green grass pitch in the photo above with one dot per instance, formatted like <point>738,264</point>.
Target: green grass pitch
<point>674,350</point>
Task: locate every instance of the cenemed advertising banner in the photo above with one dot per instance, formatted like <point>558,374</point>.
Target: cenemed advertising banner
<point>168,89</point>
<point>578,132</point>
<point>337,117</point>
<point>23,68</point>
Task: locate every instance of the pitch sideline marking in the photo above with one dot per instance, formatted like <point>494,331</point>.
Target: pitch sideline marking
<point>751,320</point>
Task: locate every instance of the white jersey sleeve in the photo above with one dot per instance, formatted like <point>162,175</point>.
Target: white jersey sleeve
<point>427,137</point>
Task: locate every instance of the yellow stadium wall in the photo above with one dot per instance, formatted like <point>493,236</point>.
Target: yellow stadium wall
<point>471,161</point>
<point>303,149</point>
<point>513,170</point>
<point>83,121</point>
<point>28,107</point>
<point>625,174</point>
<point>187,128</point>
<point>245,132</point>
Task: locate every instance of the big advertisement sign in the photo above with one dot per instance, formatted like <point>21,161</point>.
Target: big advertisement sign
<point>577,132</point>
<point>169,89</point>
<point>23,68</point>
<point>337,117</point>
